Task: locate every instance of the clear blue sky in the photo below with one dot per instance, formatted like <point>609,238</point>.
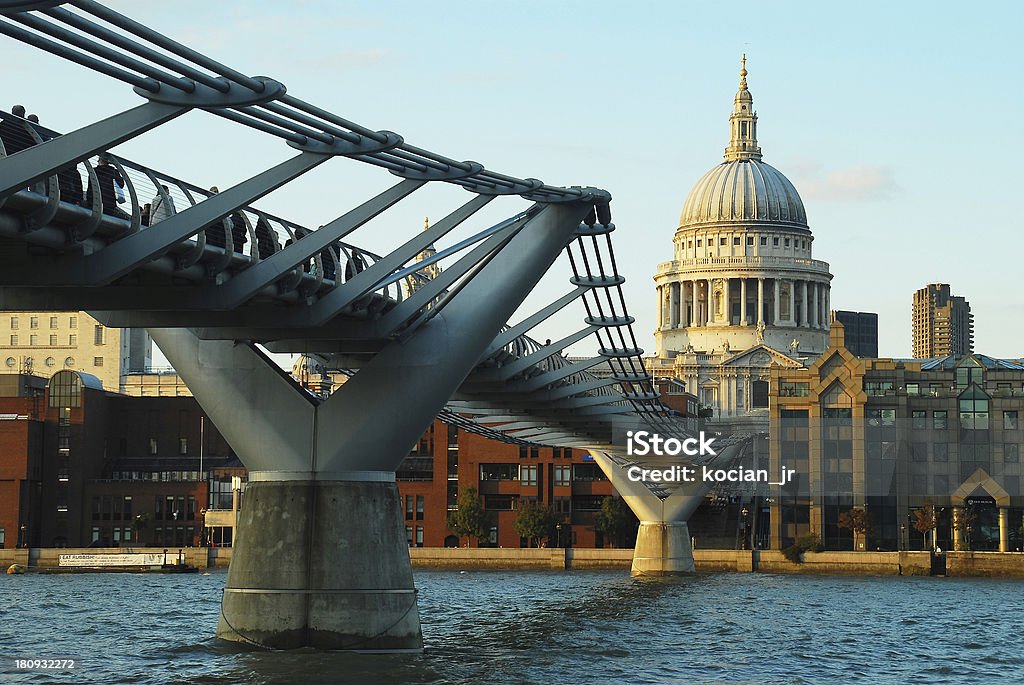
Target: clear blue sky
<point>898,123</point>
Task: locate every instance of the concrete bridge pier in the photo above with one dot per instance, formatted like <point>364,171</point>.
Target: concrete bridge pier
<point>663,548</point>
<point>321,564</point>
<point>321,558</point>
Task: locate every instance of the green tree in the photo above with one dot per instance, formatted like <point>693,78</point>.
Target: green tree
<point>469,520</point>
<point>859,521</point>
<point>139,525</point>
<point>924,521</point>
<point>535,522</point>
<point>615,521</point>
<point>964,521</point>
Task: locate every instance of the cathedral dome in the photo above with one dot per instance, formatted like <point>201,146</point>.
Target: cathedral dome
<point>743,190</point>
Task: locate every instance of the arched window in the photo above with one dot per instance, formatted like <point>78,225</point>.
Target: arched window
<point>66,390</point>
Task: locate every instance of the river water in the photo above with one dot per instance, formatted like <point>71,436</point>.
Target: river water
<point>544,627</point>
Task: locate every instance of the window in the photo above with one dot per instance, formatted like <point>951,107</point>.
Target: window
<point>53,340</point>
<point>14,341</point>
<point>97,361</point>
<point>736,240</point>
<point>562,505</point>
<point>523,452</point>
<point>759,394</point>
<point>698,242</point>
<point>775,242</point>
<point>764,241</point>
<point>33,322</point>
<point>73,322</point>
<point>1011,453</point>
<point>53,322</point>
<point>528,474</point>
<point>500,502</point>
<point>790,389</point>
<point>878,388</point>
<point>750,241</point>
<point>14,323</point>
<point>419,536</point>
<point>33,340</point>
<point>939,420</point>
<point>408,535</point>
<point>587,472</point>
<point>420,507</point>
<point>72,340</point>
<point>563,475</point>
<point>973,411</point>
<point>913,389</point>
<point>919,451</point>
<point>722,242</point>
<point>499,471</point>
<point>1010,420</point>
<point>919,420</point>
<point>65,390</point>
<point>98,335</point>
<point>787,242</point>
<point>152,446</point>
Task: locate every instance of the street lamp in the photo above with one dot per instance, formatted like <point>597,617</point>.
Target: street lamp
<point>23,538</point>
<point>745,512</point>
<point>558,537</point>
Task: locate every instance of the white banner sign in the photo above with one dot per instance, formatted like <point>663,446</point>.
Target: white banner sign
<point>113,559</point>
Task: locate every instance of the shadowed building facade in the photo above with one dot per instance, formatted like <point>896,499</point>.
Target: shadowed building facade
<point>892,437</point>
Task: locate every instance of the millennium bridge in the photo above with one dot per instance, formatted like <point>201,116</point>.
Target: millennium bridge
<point>218,282</point>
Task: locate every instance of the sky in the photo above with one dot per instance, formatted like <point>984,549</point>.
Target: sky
<point>898,123</point>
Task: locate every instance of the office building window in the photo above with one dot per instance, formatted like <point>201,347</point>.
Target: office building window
<point>919,420</point>
<point>563,475</point>
<point>1010,420</point>
<point>528,474</point>
<point>152,446</point>
<point>53,340</point>
<point>97,361</point>
<point>939,420</point>
<point>53,322</point>
<point>182,445</point>
<point>33,322</point>
<point>409,502</point>
<point>72,340</point>
<point>940,451</point>
<point>419,536</point>
<point>98,335</point>
<point>408,535</point>
<point>33,340</point>
<point>14,341</point>
<point>420,507</point>
<point>73,322</point>
<point>14,323</point>
<point>1011,453</point>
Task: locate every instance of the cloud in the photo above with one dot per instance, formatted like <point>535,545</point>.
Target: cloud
<point>857,182</point>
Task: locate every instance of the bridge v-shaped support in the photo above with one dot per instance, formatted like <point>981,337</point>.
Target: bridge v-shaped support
<point>663,543</point>
<point>320,556</point>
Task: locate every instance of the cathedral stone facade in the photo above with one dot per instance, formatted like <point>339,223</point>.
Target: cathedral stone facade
<point>742,292</point>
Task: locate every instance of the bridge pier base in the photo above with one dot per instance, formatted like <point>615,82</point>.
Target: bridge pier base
<point>321,564</point>
<point>663,548</point>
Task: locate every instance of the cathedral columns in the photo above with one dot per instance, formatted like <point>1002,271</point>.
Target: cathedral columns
<point>727,302</point>
<point>743,302</point>
<point>710,299</point>
<point>805,322</point>
<point>761,301</point>
<point>684,318</point>
<point>792,302</point>
<point>776,301</point>
<point>673,305</point>
<point>815,314</point>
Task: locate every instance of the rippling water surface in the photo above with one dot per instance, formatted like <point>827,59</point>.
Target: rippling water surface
<point>535,627</point>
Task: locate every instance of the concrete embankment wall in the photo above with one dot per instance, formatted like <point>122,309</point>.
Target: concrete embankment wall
<point>958,564</point>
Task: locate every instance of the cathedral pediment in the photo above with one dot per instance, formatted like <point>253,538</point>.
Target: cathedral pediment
<point>761,356</point>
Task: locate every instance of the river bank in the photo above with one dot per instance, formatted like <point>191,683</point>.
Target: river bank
<point>957,564</point>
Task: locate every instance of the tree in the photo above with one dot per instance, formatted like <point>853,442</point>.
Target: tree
<point>963,521</point>
<point>535,522</point>
<point>924,521</point>
<point>469,519</point>
<point>139,525</point>
<point>859,521</point>
<point>615,521</point>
